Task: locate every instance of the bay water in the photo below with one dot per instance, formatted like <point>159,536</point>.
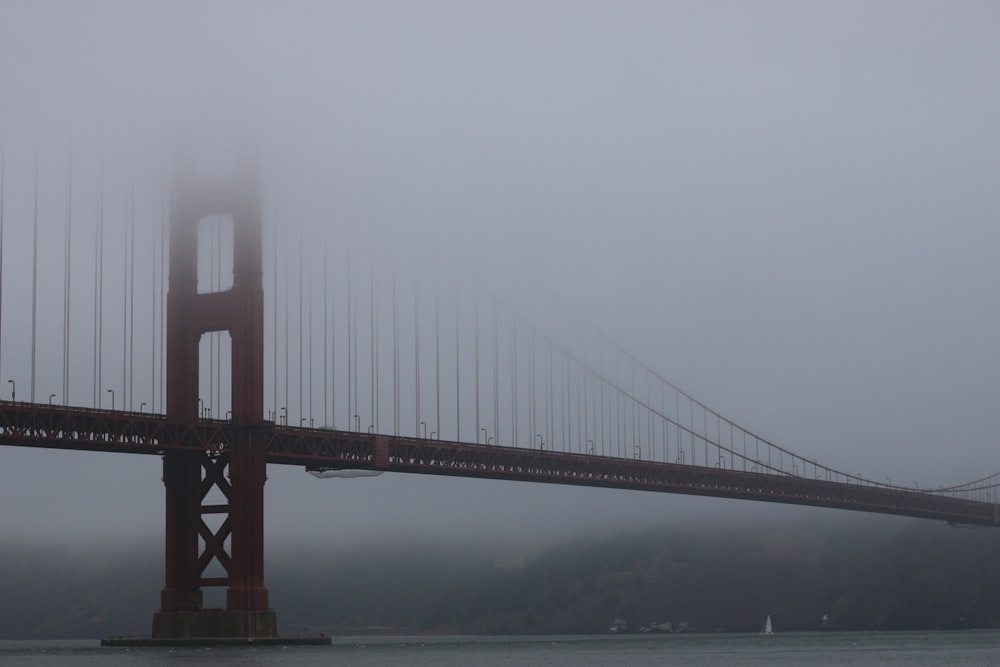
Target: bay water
<point>884,649</point>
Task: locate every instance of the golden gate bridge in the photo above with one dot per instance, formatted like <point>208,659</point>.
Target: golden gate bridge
<point>178,315</point>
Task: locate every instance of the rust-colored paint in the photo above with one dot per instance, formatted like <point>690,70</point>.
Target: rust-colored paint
<point>190,476</point>
<point>57,427</point>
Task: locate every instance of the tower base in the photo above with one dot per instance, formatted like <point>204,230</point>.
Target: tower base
<point>216,627</point>
<point>215,623</point>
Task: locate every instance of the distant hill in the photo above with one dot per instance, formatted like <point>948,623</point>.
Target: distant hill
<point>891,575</point>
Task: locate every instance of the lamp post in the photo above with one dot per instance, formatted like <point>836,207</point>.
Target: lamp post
<point>357,422</point>
<point>112,392</point>
<point>486,434</point>
<point>284,415</point>
<point>51,396</point>
<point>142,405</point>
<point>13,390</point>
<point>424,424</point>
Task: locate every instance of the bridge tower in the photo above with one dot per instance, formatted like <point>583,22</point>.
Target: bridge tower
<point>238,542</point>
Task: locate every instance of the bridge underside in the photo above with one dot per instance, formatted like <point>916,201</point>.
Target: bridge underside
<point>31,425</point>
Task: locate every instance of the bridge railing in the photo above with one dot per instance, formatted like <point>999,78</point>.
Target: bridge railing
<point>43,425</point>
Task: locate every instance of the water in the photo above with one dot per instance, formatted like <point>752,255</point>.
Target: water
<point>974,647</point>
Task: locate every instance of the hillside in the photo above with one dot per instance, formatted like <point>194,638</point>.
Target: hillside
<point>868,575</point>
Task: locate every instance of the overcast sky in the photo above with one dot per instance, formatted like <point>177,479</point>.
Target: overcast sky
<point>789,209</point>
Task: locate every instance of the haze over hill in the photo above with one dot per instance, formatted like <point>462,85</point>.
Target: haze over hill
<point>869,573</point>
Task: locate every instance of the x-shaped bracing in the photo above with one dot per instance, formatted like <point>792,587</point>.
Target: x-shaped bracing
<point>215,541</point>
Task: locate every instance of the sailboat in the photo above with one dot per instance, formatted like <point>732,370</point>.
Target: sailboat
<point>767,627</point>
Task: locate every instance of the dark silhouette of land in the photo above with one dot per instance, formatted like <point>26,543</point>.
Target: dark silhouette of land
<point>860,575</point>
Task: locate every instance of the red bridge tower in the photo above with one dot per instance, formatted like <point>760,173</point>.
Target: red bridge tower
<point>191,545</point>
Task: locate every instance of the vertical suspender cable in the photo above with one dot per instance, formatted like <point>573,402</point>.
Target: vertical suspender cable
<point>299,321</point>
<point>552,435</point>
<point>285,406</point>
<point>634,406</point>
<point>376,347</point>
<point>570,412</point>
<point>207,402</point>
<point>694,450</point>
<point>613,391</point>
<point>97,214</point>
<point>732,450</point>
<point>373,325</point>
<point>395,353</point>
<point>636,417</point>
<point>34,271</point>
<point>704,414</point>
<point>475,328</point>
<point>563,356</point>
<point>217,334</point>
<point>3,163</point>
<point>649,417</point>
<point>326,332</point>
<point>333,357</point>
<point>153,302</point>
<point>513,380</point>
<point>663,410</point>
<point>496,376</point>
<point>67,241</point>
<point>588,412</point>
<point>164,222</point>
<point>458,380</point>
<point>123,391</point>
<point>211,225</point>
<point>350,419</point>
<point>274,321</point>
<point>437,356</point>
<point>600,384</point>
<point>581,432</point>
<point>350,338</point>
<point>125,284</point>
<point>416,356</point>
<point>566,421</point>
<point>131,305</point>
<point>309,283</point>
<point>543,426</point>
<point>100,290</point>
<point>677,421</point>
<point>550,407</point>
<point>567,403</point>
<point>354,353</point>
<point>531,385</point>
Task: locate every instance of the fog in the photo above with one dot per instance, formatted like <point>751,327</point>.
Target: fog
<point>787,209</point>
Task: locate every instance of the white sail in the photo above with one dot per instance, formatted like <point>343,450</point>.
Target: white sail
<point>767,626</point>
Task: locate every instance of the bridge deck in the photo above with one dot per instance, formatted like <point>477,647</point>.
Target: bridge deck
<point>35,425</point>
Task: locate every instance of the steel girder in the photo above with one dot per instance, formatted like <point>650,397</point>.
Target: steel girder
<point>25,424</point>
